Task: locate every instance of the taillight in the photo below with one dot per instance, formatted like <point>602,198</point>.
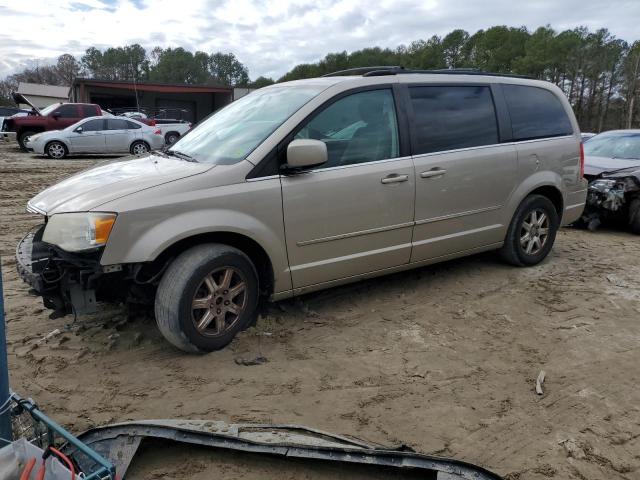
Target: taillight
<point>158,132</point>
<point>581,160</point>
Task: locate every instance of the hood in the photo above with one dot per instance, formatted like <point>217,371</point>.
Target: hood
<point>96,186</point>
<point>20,98</point>
<point>596,165</point>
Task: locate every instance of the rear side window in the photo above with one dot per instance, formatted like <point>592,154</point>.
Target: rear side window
<point>89,111</point>
<point>116,124</point>
<point>66,111</point>
<point>133,126</point>
<point>451,117</point>
<point>535,113</point>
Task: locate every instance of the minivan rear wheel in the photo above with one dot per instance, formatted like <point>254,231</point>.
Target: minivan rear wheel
<point>207,295</point>
<point>531,233</point>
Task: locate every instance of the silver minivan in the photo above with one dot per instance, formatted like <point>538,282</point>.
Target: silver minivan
<point>310,184</point>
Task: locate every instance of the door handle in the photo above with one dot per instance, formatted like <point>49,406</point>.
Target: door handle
<point>394,178</point>
<point>434,172</point>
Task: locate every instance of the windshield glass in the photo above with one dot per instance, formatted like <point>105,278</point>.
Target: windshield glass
<point>49,109</point>
<point>624,146</point>
<point>235,131</point>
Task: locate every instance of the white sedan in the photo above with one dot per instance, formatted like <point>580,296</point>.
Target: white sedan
<point>106,135</point>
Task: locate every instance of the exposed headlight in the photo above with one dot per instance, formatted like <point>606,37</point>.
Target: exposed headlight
<point>76,232</point>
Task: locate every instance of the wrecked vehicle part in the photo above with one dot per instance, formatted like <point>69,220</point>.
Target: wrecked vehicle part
<point>120,443</point>
<point>612,198</point>
<point>74,283</point>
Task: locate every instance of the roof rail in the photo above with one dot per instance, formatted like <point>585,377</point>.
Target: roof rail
<point>365,70</point>
<point>395,70</point>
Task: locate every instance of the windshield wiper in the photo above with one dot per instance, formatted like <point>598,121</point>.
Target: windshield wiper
<point>182,155</point>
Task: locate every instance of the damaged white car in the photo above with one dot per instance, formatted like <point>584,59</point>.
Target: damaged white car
<point>612,167</point>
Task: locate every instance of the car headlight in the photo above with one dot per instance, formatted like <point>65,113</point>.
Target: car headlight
<point>76,232</point>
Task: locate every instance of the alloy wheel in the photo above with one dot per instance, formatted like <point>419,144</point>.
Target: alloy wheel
<point>140,148</point>
<point>219,301</point>
<point>56,150</point>
<point>534,232</point>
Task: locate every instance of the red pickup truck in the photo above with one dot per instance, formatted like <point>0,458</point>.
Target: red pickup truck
<point>53,117</point>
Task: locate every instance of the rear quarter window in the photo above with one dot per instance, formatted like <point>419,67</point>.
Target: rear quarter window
<point>535,113</point>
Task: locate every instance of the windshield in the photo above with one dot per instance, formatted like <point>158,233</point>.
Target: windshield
<point>49,109</point>
<point>234,132</point>
<point>623,146</point>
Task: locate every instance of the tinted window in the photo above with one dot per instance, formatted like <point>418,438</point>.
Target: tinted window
<point>446,118</point>
<point>358,128</point>
<point>132,125</point>
<point>89,111</point>
<point>66,111</point>
<point>93,126</point>
<point>535,113</point>
<point>116,124</point>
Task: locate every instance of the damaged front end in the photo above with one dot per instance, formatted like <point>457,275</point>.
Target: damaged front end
<point>613,198</point>
<point>74,283</point>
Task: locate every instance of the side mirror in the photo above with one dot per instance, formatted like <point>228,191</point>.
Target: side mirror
<point>303,153</point>
<point>78,130</point>
<point>55,115</point>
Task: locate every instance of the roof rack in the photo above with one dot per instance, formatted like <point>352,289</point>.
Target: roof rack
<point>395,70</point>
<point>366,70</point>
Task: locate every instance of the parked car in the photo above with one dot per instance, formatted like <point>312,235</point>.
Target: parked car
<point>586,136</point>
<point>278,194</point>
<point>97,135</point>
<point>8,112</point>
<point>612,167</point>
<point>54,117</point>
<point>172,129</point>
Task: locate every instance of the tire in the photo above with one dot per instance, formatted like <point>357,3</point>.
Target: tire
<point>56,150</point>
<point>139,147</point>
<point>184,283</point>
<point>23,137</point>
<point>171,138</point>
<point>516,246</point>
<point>634,216</point>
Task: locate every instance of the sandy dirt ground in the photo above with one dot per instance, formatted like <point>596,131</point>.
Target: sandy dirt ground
<point>442,359</point>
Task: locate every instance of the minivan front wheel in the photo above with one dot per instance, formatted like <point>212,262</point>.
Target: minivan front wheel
<point>207,295</point>
<point>531,233</point>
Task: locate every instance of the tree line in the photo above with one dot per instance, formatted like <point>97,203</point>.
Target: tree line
<point>599,73</point>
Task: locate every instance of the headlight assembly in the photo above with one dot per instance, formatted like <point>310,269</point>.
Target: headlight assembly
<point>77,232</point>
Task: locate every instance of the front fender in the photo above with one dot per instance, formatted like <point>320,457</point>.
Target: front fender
<point>137,240</point>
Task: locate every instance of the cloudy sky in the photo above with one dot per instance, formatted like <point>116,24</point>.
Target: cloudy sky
<point>272,36</point>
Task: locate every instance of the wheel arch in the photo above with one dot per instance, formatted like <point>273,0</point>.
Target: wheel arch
<point>553,193</point>
<point>138,140</point>
<point>256,253</point>
<point>56,139</point>
<point>166,135</point>
<point>546,183</point>
<point>36,129</point>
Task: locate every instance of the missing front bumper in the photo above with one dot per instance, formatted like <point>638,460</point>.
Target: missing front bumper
<point>64,281</point>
